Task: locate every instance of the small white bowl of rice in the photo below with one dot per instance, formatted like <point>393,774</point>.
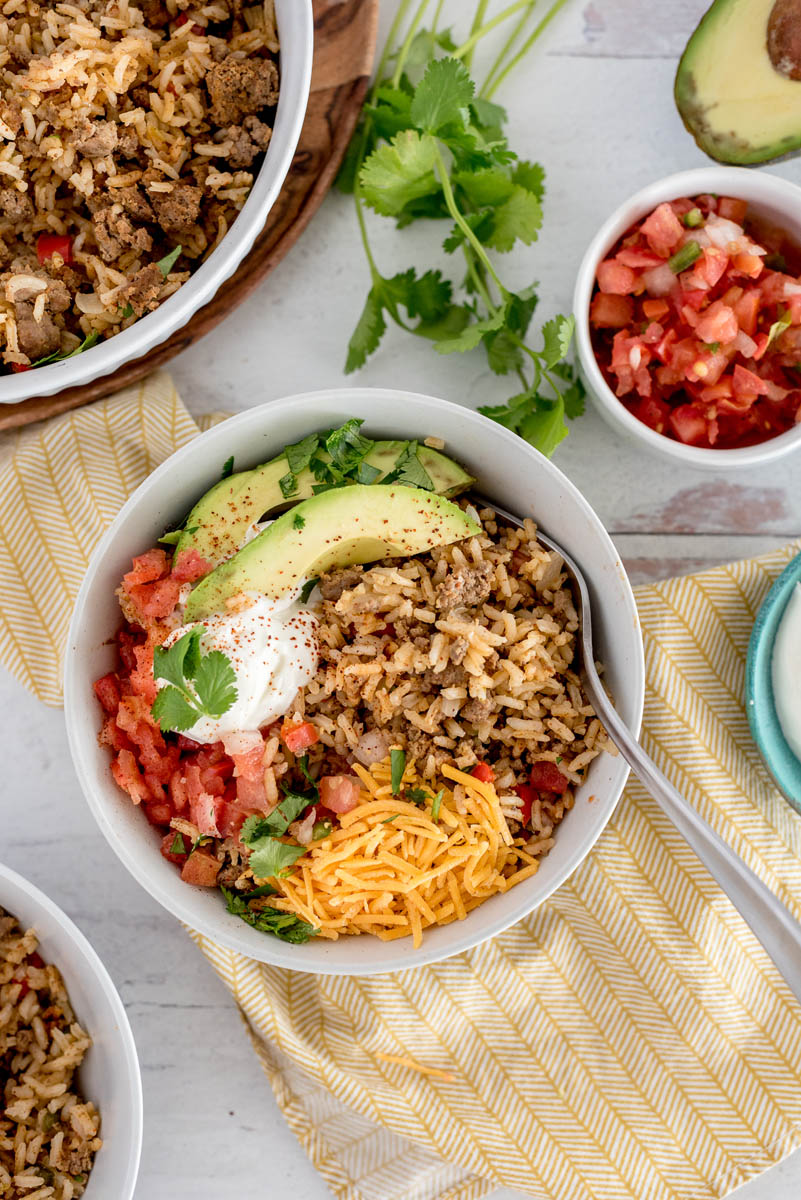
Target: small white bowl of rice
<point>63,1027</point>
<point>141,155</point>
<point>510,473</point>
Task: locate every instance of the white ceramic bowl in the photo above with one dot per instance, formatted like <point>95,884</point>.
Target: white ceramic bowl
<point>768,196</point>
<point>510,472</point>
<point>109,1075</point>
<point>296,33</point>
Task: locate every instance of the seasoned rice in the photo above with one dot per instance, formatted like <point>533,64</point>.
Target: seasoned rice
<point>48,1132</point>
<point>126,130</point>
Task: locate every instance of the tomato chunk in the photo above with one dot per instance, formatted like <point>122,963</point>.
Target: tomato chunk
<point>615,278</point>
<point>546,777</point>
<point>201,869</point>
<point>528,795</point>
<point>611,312</point>
<point>48,244</point>
<point>299,737</point>
<point>339,793</point>
<point>484,772</point>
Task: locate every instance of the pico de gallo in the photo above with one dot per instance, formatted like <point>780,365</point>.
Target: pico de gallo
<point>696,323</point>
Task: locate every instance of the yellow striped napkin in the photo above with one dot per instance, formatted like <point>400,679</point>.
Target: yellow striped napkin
<point>630,1039</point>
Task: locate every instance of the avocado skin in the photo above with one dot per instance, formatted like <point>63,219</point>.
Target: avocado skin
<point>218,523</point>
<point>355,524</point>
<point>723,146</point>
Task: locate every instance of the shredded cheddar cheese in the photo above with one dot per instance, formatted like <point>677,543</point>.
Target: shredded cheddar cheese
<point>390,870</point>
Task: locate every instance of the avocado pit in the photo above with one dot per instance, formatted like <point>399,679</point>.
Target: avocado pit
<point>784,38</point>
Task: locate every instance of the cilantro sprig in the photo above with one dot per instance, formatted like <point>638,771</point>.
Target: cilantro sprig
<point>431,145</point>
<point>337,458</point>
<point>197,685</point>
<point>283,925</point>
<point>269,856</point>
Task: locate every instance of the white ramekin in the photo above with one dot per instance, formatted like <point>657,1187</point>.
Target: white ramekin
<point>509,471</point>
<point>109,1075</point>
<point>767,195</point>
<point>296,33</point>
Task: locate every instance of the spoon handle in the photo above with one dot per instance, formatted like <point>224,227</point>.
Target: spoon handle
<point>772,923</point>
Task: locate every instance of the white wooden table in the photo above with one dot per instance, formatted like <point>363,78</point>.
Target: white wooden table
<point>594,104</point>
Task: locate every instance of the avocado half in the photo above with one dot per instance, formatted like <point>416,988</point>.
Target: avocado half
<point>220,521</point>
<point>734,101</point>
<point>356,524</point>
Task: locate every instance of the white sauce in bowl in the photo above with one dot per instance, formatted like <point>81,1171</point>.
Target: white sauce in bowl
<point>786,669</point>
<point>273,649</point>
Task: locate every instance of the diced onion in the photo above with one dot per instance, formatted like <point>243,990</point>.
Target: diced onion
<point>89,303</point>
<point>242,743</point>
<point>746,345</point>
<point>722,233</point>
<point>659,281</point>
<point>24,287</point>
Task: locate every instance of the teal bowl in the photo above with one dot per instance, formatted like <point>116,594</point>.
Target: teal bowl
<point>765,728</point>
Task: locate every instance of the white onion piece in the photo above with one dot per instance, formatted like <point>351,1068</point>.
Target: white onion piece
<point>659,280</point>
<point>372,747</point>
<point>722,232</point>
<point>242,743</point>
<point>792,289</point>
<point>24,287</point>
<point>746,345</point>
<point>89,303</point>
<point>301,831</point>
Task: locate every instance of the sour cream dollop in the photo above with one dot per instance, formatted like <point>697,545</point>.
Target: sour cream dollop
<point>787,672</point>
<point>272,646</point>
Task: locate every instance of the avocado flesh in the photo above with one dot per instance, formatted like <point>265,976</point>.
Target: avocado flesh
<point>219,523</point>
<point>356,524</point>
<point>736,105</point>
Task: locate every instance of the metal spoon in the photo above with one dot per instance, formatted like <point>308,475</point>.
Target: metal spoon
<point>772,924</point>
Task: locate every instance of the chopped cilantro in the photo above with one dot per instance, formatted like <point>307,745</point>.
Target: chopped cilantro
<point>288,484</point>
<point>127,311</point>
<point>712,347</point>
<point>61,355</point>
<point>228,468</point>
<point>299,454</point>
<point>298,521</point>
<point>409,470</point>
<point>198,685</point>
<point>308,588</point>
<point>416,795</point>
<point>283,925</point>
<point>178,845</point>
<point>397,759</point>
<point>778,327</point>
<point>174,536</point>
<point>166,264</point>
<point>436,804</point>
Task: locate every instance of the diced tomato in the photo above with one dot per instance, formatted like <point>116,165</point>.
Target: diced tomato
<point>638,256</point>
<point>48,244</point>
<point>748,264</point>
<point>731,209</point>
<point>611,312</point>
<point>203,812</point>
<point>18,368</point>
<point>201,869</point>
<point>142,679</point>
<point>24,987</point>
<point>339,793</point>
<point>690,425</point>
<point>127,776</point>
<point>167,843</point>
<point>655,310</point>
<point>746,310</point>
<point>156,599</point>
<point>709,268</point>
<point>107,691</point>
<point>190,566</point>
<point>616,279</point>
<point>718,324</point>
<point>252,794</point>
<point>147,567</point>
<point>36,960</point>
<point>528,795</point>
<point>483,772</point>
<point>546,777</point>
<point>652,412</point>
<point>299,737</point>
<point>747,385</point>
<point>158,814</point>
<point>663,230</point>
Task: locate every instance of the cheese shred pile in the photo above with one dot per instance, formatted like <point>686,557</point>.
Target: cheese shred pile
<point>394,868</point>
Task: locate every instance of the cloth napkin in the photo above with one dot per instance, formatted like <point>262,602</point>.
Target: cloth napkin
<point>629,1039</point>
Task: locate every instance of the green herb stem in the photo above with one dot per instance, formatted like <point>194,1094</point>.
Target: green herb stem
<point>508,45</point>
<point>386,53</point>
<point>403,53</point>
<point>488,92</point>
<point>465,51</point>
<point>478,17</point>
<point>453,209</point>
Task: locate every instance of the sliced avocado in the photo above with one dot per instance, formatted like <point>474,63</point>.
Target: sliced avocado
<point>355,524</point>
<point>732,91</point>
<point>219,522</point>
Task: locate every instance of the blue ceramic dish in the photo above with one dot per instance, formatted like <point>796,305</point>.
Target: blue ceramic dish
<point>765,728</point>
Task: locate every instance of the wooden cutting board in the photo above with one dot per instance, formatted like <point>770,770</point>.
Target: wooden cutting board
<point>344,46</point>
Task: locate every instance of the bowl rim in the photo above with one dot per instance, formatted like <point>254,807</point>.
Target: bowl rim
<point>751,185</point>
<point>280,955</point>
<point>154,328</point>
<point>94,969</point>
<point>780,761</point>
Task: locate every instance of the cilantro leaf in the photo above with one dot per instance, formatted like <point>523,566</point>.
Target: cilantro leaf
<point>442,95</point>
<point>179,661</point>
<point>283,925</point>
<point>416,795</point>
<point>367,474</point>
<point>471,335</point>
<point>270,858</point>
<point>399,172</point>
<point>166,264</point>
<point>409,471</point>
<point>178,845</point>
<point>299,454</point>
<point>347,447</point>
<point>228,468</point>
<point>517,220</point>
<point>278,821</point>
<point>778,327</point>
<point>61,355</point>
<point>538,420</point>
<point>557,335</point>
<point>298,521</point>
<point>488,185</point>
<point>368,333</point>
<point>288,484</point>
<point>173,711</point>
<point>307,589</point>
<point>530,176</point>
<point>215,683</point>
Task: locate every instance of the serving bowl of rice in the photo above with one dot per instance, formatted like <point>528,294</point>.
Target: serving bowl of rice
<point>508,472</point>
<point>143,145</point>
<point>71,1124</point>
